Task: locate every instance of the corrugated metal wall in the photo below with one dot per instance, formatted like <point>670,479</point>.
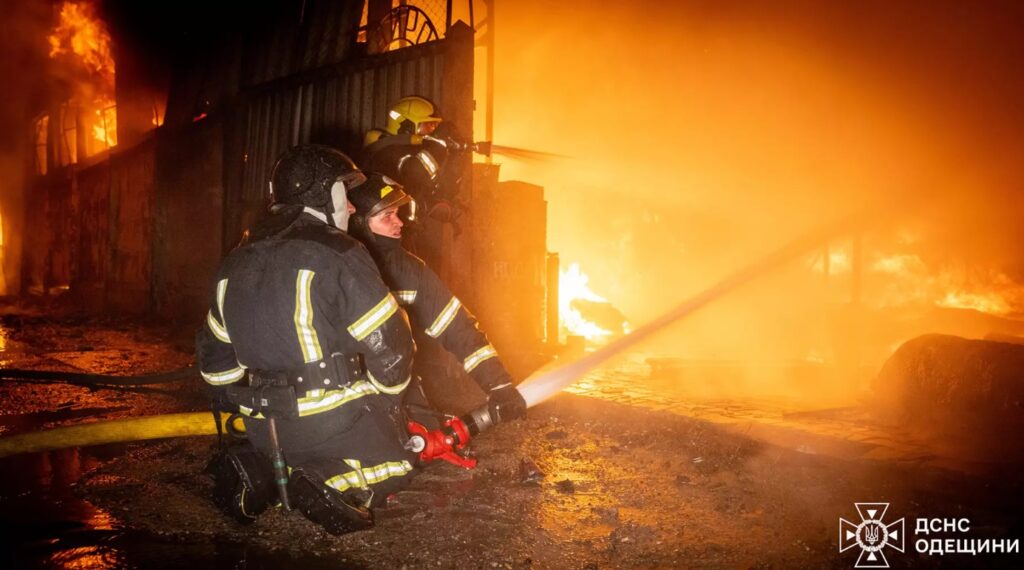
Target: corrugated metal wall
<point>92,256</point>
<point>94,232</point>
<point>336,107</point>
<point>148,227</point>
<point>306,35</point>
<point>130,274</point>
<point>188,199</point>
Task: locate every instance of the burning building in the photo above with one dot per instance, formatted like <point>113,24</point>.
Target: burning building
<point>149,160</point>
<point>685,143</point>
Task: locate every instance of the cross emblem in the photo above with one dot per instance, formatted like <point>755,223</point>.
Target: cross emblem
<point>871,535</point>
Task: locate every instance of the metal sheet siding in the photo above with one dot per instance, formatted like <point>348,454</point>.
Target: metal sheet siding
<point>336,107</point>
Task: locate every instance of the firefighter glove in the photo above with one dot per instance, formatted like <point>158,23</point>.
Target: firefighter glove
<point>506,403</point>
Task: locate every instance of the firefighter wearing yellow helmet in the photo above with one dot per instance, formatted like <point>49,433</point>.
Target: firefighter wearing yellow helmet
<point>414,115</point>
<point>415,148</point>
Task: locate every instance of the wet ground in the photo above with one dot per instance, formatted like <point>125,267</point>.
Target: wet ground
<point>623,473</point>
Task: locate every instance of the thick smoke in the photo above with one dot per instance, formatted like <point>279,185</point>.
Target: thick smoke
<point>706,133</point>
<point>23,45</point>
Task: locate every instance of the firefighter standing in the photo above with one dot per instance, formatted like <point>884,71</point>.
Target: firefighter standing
<point>435,313</point>
<point>302,329</point>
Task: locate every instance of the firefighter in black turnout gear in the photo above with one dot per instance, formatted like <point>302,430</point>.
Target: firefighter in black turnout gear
<point>302,330</point>
<point>435,313</point>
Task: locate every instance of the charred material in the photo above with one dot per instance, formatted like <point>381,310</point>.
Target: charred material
<point>961,390</point>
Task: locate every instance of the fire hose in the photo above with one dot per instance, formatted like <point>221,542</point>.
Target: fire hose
<point>113,431</point>
<point>448,442</point>
<point>86,379</point>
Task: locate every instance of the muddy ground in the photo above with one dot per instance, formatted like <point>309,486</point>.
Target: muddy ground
<point>620,486</point>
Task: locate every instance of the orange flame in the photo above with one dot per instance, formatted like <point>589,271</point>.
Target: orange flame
<point>80,32</point>
<point>82,37</point>
<point>572,285</point>
<point>911,281</point>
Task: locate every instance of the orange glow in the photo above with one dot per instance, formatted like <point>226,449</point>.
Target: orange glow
<point>80,32</point>
<point>838,262</point>
<point>104,130</point>
<point>707,134</point>
<point>991,303</point>
<point>3,275</point>
<point>573,285</point>
<point>899,264</point>
<point>907,280</point>
<point>81,39</point>
<point>159,111</point>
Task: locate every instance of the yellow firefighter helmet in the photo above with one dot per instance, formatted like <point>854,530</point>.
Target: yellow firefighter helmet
<point>412,115</point>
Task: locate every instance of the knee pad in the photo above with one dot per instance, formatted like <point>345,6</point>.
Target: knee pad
<point>243,482</point>
<point>338,513</point>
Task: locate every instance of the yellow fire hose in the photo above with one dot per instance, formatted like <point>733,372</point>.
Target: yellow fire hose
<point>114,431</point>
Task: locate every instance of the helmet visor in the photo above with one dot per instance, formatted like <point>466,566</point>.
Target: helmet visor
<point>427,127</point>
<point>352,179</point>
<point>395,199</point>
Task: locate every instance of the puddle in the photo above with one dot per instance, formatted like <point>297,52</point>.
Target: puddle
<point>48,526</point>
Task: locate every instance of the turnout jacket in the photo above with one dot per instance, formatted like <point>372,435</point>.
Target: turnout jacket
<point>423,166</point>
<point>296,292</point>
<point>436,312</point>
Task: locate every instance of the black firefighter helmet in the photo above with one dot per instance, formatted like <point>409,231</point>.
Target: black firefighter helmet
<point>305,174</point>
<point>377,194</point>
<point>374,196</point>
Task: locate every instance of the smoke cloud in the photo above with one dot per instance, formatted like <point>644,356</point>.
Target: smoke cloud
<point>704,134</point>
<point>24,47</point>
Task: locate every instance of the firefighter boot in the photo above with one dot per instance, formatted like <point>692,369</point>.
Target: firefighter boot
<point>243,482</point>
<point>339,513</point>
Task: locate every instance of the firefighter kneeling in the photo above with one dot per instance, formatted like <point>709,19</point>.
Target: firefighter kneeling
<point>305,340</point>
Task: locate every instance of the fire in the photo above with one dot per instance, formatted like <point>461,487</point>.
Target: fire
<point>82,39</point>
<point>572,285</point>
<point>105,128</point>
<point>906,279</point>
<point>910,280</point>
<point>80,32</point>
<point>992,303</point>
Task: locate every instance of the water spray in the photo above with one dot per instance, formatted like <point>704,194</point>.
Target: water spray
<point>542,386</point>
<point>487,148</point>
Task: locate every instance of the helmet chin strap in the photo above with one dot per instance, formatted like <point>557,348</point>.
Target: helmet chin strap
<point>339,207</point>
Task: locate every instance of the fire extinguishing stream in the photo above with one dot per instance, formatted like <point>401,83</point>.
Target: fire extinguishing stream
<point>539,387</point>
<point>535,389</point>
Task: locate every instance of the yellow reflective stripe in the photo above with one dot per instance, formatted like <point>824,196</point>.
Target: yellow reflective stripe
<point>388,389</point>
<point>445,318</point>
<point>368,475</point>
<point>482,354</point>
<point>226,377</point>
<point>319,401</point>
<point>357,466</point>
<point>406,297</point>
<point>304,317</point>
<point>216,328</point>
<point>374,318</point>
<point>248,412</point>
<point>332,399</point>
<point>222,288</point>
